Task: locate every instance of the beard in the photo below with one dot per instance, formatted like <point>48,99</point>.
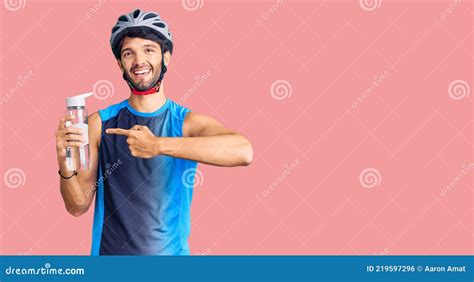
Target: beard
<point>143,85</point>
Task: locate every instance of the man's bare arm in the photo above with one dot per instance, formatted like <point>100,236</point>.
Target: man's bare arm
<point>78,191</point>
<point>204,140</point>
<point>207,141</point>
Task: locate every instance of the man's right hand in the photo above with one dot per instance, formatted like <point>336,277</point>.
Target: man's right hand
<point>78,191</point>
<point>67,137</point>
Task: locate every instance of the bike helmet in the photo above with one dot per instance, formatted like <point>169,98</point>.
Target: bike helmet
<point>135,24</point>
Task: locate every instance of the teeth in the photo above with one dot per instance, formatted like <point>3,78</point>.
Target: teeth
<point>141,72</point>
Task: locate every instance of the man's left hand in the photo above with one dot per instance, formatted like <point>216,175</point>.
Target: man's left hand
<point>141,141</point>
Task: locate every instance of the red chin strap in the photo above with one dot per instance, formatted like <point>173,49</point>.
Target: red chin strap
<point>152,90</point>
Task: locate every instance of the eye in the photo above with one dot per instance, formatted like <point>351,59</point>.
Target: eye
<point>126,54</point>
<point>148,50</point>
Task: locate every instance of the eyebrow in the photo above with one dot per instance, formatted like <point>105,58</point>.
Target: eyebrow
<point>126,49</point>
<point>146,45</point>
<point>150,45</point>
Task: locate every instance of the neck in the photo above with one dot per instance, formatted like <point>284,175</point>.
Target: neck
<point>148,103</point>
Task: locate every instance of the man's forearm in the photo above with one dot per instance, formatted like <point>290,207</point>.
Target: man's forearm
<point>220,150</point>
<point>72,193</point>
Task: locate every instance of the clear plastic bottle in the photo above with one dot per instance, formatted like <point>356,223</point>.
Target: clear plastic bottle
<point>77,158</point>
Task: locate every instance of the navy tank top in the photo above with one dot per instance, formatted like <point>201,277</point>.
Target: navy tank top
<point>142,206</point>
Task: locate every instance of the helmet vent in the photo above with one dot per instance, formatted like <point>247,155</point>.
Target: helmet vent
<point>162,25</point>
<point>150,15</point>
<point>136,13</point>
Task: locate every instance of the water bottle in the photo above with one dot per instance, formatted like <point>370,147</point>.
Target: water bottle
<point>77,158</point>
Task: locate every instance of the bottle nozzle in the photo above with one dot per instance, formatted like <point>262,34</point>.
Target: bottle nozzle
<point>78,100</point>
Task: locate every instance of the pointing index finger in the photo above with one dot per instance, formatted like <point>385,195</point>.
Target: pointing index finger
<point>119,131</point>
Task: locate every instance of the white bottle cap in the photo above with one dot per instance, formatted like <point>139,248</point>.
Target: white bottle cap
<point>78,100</point>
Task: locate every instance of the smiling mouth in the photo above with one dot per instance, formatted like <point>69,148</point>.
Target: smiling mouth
<point>141,73</point>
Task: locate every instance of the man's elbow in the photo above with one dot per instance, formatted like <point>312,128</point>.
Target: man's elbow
<point>247,155</point>
<point>77,210</point>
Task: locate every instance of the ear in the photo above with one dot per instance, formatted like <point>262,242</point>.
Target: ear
<point>167,58</point>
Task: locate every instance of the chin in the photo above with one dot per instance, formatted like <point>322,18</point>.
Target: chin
<point>148,86</point>
<point>141,85</point>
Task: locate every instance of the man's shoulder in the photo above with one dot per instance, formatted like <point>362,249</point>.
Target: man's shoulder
<point>179,111</point>
<point>94,118</point>
<point>95,127</point>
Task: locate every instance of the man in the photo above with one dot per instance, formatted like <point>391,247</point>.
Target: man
<point>143,151</point>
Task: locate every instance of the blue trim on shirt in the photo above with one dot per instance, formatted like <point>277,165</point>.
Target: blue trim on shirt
<point>112,110</point>
<point>179,113</point>
<point>143,114</point>
<point>98,215</point>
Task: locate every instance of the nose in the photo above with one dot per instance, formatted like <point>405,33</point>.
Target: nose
<point>140,59</point>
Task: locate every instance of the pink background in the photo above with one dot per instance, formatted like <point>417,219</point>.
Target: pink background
<point>313,136</point>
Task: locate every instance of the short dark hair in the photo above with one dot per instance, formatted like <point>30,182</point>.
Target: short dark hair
<point>145,33</point>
